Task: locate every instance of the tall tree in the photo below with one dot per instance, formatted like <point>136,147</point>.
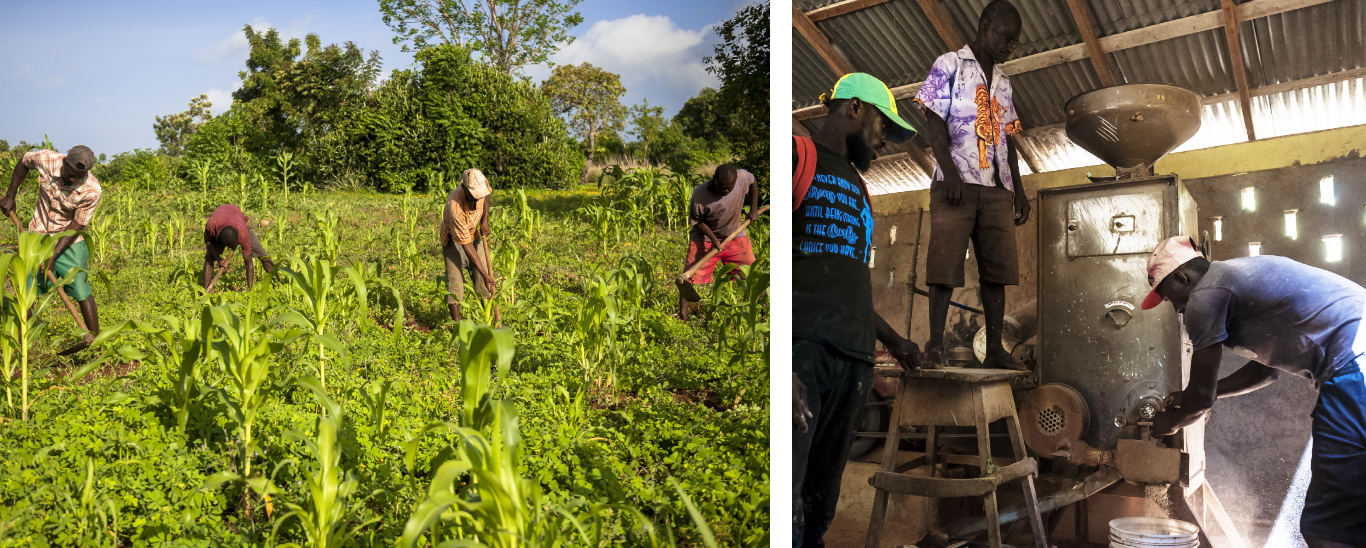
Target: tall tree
<point>701,117</point>
<point>589,99</point>
<point>509,34</point>
<point>293,97</point>
<point>647,124</point>
<point>741,62</point>
<point>174,130</point>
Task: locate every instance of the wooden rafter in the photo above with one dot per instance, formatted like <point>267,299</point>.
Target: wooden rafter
<point>1235,56</point>
<point>1082,16</point>
<point>822,45</point>
<point>841,8</point>
<point>942,24</point>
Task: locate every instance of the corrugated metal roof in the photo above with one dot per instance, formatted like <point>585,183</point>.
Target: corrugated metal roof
<point>1116,16</point>
<point>892,41</point>
<point>811,76</point>
<point>1305,42</point>
<point>1294,45</point>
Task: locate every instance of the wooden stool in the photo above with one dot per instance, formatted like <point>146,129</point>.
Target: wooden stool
<point>955,397</point>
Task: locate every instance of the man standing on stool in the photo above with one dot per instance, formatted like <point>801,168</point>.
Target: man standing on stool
<point>976,192</point>
<point>67,197</point>
<point>715,212</point>
<point>464,227</point>
<point>224,230</point>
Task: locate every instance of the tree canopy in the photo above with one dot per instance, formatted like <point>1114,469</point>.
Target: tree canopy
<point>741,62</point>
<point>174,130</point>
<point>508,34</point>
<point>589,100</point>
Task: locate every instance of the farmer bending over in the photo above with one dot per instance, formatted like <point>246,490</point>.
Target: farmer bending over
<point>715,213</point>
<point>67,197</point>
<point>976,194</point>
<point>464,227</point>
<point>1284,317</point>
<point>224,230</point>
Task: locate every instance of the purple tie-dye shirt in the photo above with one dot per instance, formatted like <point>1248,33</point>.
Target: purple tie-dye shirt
<point>956,90</point>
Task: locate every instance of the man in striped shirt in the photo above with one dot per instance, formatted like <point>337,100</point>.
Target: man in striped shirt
<point>67,197</point>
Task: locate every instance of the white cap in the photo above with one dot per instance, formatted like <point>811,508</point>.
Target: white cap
<point>1170,254</point>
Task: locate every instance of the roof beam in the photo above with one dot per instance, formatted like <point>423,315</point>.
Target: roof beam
<point>1235,55</point>
<point>942,24</point>
<point>840,8</point>
<point>1082,16</point>
<point>817,39</point>
<point>1314,81</point>
<point>1253,9</point>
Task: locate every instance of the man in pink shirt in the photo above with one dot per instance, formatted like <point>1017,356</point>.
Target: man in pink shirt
<point>227,228</point>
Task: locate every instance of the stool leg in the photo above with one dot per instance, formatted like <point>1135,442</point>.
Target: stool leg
<point>889,450</point>
<point>1031,497</point>
<point>931,447</point>
<point>993,520</point>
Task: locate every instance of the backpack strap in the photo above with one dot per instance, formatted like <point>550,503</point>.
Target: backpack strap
<point>806,169</point>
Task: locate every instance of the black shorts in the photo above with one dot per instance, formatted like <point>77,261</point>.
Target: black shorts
<point>986,216</point>
<point>1335,506</point>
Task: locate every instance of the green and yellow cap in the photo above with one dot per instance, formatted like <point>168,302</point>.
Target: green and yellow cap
<point>870,90</point>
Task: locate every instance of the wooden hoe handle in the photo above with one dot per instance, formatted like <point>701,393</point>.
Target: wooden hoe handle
<point>698,265</point>
<point>60,290</point>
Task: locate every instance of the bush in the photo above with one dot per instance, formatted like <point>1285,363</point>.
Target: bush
<point>455,114</point>
<point>141,167</point>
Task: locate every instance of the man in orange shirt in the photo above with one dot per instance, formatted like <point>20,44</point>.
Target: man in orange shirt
<point>464,227</point>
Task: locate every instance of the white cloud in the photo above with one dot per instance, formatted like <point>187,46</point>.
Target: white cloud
<point>655,58</point>
<point>221,100</point>
<point>235,47</point>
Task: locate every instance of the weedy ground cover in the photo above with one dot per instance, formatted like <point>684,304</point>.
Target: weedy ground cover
<point>337,405</point>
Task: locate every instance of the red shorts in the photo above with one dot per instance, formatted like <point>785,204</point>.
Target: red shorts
<point>738,251</point>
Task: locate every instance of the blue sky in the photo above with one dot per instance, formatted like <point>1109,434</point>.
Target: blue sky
<point>98,73</point>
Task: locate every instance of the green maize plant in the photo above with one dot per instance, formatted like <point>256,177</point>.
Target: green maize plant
<point>411,213</point>
<point>284,161</point>
<point>9,335</point>
<point>201,169</point>
<point>279,222</point>
<point>758,232</point>
<point>329,486</point>
<point>603,221</point>
<point>543,307</point>
<point>242,188</point>
<point>313,281</point>
<point>614,171</point>
<point>175,232</point>
<point>246,353</point>
<point>528,219</point>
<point>505,260</point>
<point>326,233</point>
<point>23,270</point>
<point>746,322</point>
<point>151,230</point>
<point>182,345</point>
<point>99,232</point>
<point>635,278</point>
<point>594,322</point>
<point>263,184</point>
<point>492,509</point>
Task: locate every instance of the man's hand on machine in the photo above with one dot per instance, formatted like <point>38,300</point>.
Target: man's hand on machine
<point>1167,421</point>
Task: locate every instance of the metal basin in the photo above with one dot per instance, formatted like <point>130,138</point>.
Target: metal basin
<point>1131,126</point>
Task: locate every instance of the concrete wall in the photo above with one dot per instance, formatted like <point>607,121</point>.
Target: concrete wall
<point>1254,443</point>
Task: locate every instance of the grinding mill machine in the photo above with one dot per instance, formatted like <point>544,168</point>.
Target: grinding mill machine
<point>1105,365</point>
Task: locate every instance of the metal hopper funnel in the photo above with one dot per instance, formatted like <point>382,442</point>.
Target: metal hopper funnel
<point>1131,126</point>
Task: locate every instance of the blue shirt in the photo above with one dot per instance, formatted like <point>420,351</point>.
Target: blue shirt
<point>1279,313</point>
